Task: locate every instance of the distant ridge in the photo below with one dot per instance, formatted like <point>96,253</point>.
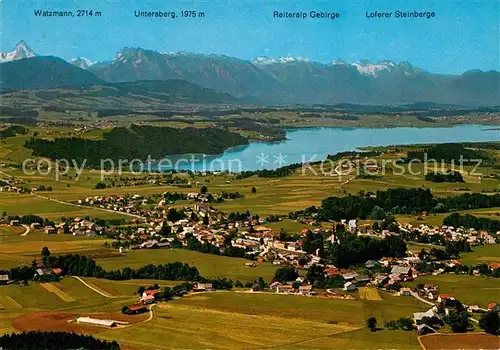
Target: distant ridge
<point>285,80</point>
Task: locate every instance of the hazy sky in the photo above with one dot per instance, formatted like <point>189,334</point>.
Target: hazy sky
<point>463,35</point>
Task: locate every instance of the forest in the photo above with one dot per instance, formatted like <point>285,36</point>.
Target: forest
<point>399,201</point>
<point>450,152</point>
<point>137,142</point>
<point>54,341</point>
<point>471,221</point>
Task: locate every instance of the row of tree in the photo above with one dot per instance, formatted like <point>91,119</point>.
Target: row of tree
<point>397,201</point>
<point>452,176</point>
<point>54,340</point>
<point>471,221</point>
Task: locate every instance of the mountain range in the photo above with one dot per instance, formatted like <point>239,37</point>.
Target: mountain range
<point>285,80</point>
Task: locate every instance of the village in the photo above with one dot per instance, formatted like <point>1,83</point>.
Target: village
<point>159,224</point>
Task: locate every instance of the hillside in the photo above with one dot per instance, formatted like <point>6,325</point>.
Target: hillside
<point>131,95</point>
<point>137,142</point>
<point>44,72</point>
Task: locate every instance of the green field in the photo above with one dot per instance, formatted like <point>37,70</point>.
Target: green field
<point>224,320</point>
<point>231,320</point>
<point>468,289</point>
<point>482,255</point>
<point>209,265</point>
<point>17,250</point>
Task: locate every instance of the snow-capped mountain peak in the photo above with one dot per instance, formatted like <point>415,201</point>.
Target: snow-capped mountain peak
<point>22,50</point>
<point>81,62</point>
<point>265,60</point>
<point>368,68</point>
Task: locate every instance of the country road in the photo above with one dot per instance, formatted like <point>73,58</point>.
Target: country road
<point>418,297</point>
<point>27,230</point>
<point>88,207</point>
<point>94,289</point>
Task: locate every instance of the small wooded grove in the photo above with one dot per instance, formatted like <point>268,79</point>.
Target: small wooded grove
<point>54,341</point>
<point>354,250</point>
<point>471,221</point>
<point>399,201</point>
<point>452,176</point>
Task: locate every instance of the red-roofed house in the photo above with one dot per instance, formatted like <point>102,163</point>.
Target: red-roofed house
<point>443,297</point>
<point>493,307</point>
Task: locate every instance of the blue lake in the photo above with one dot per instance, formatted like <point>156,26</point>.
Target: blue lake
<point>314,144</point>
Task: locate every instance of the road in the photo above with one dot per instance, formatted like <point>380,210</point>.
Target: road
<point>94,289</point>
<point>418,297</point>
<point>27,230</point>
<point>89,207</point>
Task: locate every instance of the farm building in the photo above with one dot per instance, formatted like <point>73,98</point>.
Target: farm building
<point>349,286</point>
<point>96,321</point>
<point>4,279</point>
<point>202,287</point>
<point>135,309</point>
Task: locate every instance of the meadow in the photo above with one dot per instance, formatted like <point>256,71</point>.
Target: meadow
<point>236,320</point>
<point>481,255</point>
<point>470,290</point>
<point>221,320</point>
<point>209,265</point>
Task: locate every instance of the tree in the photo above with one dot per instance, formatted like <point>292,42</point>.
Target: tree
<point>203,189</point>
<point>45,255</point>
<point>286,274</point>
<point>165,229</point>
<point>378,213</point>
<point>254,190</point>
<point>490,322</point>
<point>459,322</point>
<point>371,323</point>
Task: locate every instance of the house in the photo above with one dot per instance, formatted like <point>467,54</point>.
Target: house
<point>284,289</point>
<point>401,270</point>
<point>49,229</point>
<point>147,299</point>
<point>493,307</point>
<point>405,292</point>
<point>423,329</point>
<point>349,286</point>
<point>362,279</point>
<point>353,225</point>
<point>331,271</point>
<point>57,271</point>
<point>149,245</point>
<point>4,279</point>
<point>430,287</point>
<point>349,275</point>
<point>43,272</point>
<point>370,264</point>
<point>150,292</point>
<point>202,287</point>
<point>443,297</point>
<point>136,309</point>
<point>380,278</point>
<point>475,309</point>
<point>418,316</point>
<point>305,290</point>
<point>274,285</point>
